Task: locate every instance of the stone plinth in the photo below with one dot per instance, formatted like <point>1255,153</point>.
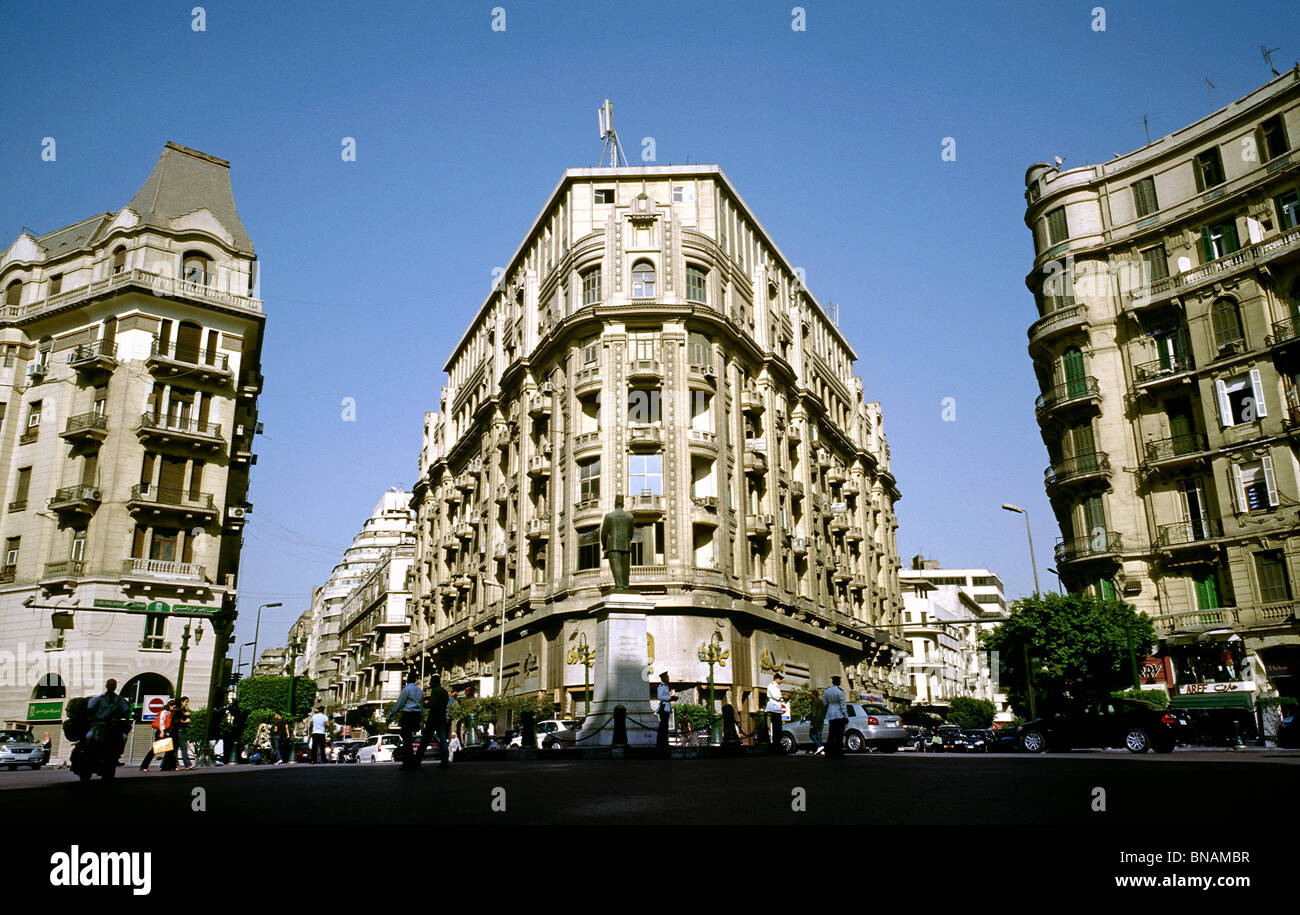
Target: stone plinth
<point>621,673</point>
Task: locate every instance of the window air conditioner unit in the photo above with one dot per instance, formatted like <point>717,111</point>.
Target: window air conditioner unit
<point>36,370</point>
<point>91,494</point>
<point>236,512</point>
<point>547,388</point>
<point>710,371</point>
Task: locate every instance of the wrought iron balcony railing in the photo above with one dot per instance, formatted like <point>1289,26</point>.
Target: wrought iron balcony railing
<point>1167,449</point>
<point>189,355</point>
<point>1073,390</point>
<point>1181,533</point>
<point>1157,369</point>
<point>1284,332</point>
<point>1079,466</point>
<point>1100,543</point>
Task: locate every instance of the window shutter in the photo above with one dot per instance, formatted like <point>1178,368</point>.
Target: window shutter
<point>1230,237</point>
<point>1239,489</point>
<point>1260,409</point>
<point>1270,481</point>
<point>1225,408</point>
<point>1207,246</point>
<point>1198,169</point>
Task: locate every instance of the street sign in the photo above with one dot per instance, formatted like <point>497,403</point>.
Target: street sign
<point>44,711</point>
<point>157,606</point>
<point>152,706</point>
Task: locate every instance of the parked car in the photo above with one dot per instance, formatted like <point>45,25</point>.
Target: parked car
<point>20,748</point>
<point>1132,723</point>
<point>951,740</point>
<point>978,740</point>
<point>869,726</point>
<point>379,748</point>
<point>917,738</point>
<point>338,750</point>
<point>1005,740</point>
<point>399,752</point>
<point>301,751</point>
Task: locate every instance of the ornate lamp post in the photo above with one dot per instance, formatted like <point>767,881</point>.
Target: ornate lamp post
<point>185,647</point>
<point>295,648</point>
<point>585,655</point>
<point>712,652</point>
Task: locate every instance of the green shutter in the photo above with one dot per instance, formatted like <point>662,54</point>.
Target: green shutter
<point>1074,379</point>
<point>1180,430</point>
<point>1207,246</point>
<point>1229,237</point>
<point>1207,592</point>
<point>1106,589</point>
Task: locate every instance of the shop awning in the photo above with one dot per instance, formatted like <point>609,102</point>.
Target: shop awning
<point>1213,700</point>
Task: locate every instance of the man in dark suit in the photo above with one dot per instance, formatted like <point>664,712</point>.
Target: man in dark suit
<point>616,541</point>
<point>436,724</point>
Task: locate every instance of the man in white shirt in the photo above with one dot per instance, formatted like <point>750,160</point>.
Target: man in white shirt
<point>665,697</point>
<point>775,710</point>
<point>837,713</point>
<point>318,723</point>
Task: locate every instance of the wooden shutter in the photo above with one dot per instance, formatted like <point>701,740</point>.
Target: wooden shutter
<point>1225,408</point>
<point>1270,481</point>
<point>1230,237</point>
<point>1239,490</point>
<point>1207,245</point>
<point>1258,388</point>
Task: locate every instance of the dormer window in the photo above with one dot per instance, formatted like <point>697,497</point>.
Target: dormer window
<point>14,294</point>
<point>196,268</point>
<point>119,260</point>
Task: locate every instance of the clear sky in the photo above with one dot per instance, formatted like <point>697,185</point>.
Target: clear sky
<point>372,269</point>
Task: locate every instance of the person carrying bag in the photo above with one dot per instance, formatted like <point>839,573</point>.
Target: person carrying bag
<point>161,742</point>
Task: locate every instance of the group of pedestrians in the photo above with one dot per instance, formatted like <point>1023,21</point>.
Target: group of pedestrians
<point>170,729</point>
<point>410,708</point>
<point>829,706</point>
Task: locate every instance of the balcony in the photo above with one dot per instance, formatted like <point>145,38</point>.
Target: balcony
<point>1151,375</point>
<point>755,462</point>
<point>1284,333</point>
<point>538,529</point>
<point>180,431</point>
<point>467,482</point>
<point>539,404</point>
<point>851,487</point>
<point>1056,323</point>
<point>751,402</point>
<point>1173,453</point>
<point>586,380</point>
<point>62,574</point>
<point>645,370</point>
<point>800,546</point>
<point>648,437</point>
<point>758,525</point>
<point>177,503</point>
<point>704,509</point>
<point>76,500</point>
<point>586,442</point>
<point>1188,535</point>
<point>1245,258</point>
<point>703,372</point>
<point>1273,614</point>
<point>163,569</point>
<point>499,550</point>
<point>465,530</point>
<point>854,534</point>
<point>85,428</point>
<point>450,542</point>
<point>154,283</point>
<point>92,358</point>
<point>1196,620</point>
<point>1078,469</point>
<point>250,385</point>
<point>794,432</point>
<point>463,582</point>
<point>796,490</point>
<point>702,441</point>
<point>453,496</point>
<point>1100,545</point>
<point>539,465</point>
<point>1074,393</point>
<point>646,503</point>
<point>188,363</point>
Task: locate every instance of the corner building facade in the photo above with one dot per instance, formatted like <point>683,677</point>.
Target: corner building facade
<point>649,340</point>
<point>130,349</point>
<point>1168,356</point>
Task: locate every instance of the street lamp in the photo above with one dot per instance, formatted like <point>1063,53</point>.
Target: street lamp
<point>712,653</point>
<point>1060,589</point>
<point>585,655</point>
<point>1034,565</point>
<point>258,628</point>
<point>185,647</point>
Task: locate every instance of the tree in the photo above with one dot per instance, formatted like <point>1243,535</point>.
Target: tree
<point>272,693</point>
<point>968,712</point>
<point>1077,647</point>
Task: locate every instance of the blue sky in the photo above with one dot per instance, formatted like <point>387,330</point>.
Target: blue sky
<point>371,270</point>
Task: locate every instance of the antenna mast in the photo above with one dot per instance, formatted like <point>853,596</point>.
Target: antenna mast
<point>613,150</point>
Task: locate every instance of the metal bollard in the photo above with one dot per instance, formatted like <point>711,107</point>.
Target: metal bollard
<point>529,731</point>
<point>620,726</point>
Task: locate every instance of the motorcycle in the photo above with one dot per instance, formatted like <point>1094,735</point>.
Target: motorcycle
<point>99,744</point>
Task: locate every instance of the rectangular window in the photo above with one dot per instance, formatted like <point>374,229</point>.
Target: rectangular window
<point>1057,230</point>
<point>1155,263</point>
<point>1256,486</point>
<point>589,480</point>
<point>1288,210</point>
<point>12,545</point>
<point>604,195</point>
<point>56,284</point>
<point>34,417</point>
<point>1241,399</point>
<point>1144,197</point>
<point>1209,169</point>
<point>641,343</point>
<point>1274,588</point>
<point>589,548</point>
<point>1218,241</point>
<point>647,544</point>
<point>1272,134</point>
<point>643,405</point>
<point>645,474</point>
<point>697,284</point>
<point>699,349</point>
<point>591,287</point>
<point>155,627</point>
<point>78,546</point>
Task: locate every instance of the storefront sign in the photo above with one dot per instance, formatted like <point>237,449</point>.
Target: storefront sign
<point>44,711</point>
<point>1229,686</point>
<point>1155,671</point>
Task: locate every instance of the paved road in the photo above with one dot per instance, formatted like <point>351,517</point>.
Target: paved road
<point>1192,788</point>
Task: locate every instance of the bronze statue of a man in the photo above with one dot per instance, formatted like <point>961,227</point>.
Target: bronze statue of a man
<point>616,541</point>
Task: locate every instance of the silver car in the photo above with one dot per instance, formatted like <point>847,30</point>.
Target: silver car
<point>868,726</point>
<point>19,748</point>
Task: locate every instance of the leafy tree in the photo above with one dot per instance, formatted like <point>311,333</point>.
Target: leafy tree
<point>920,717</point>
<point>968,712</point>
<point>1154,696</point>
<point>695,715</point>
<point>1076,646</point>
<point>801,701</point>
<point>273,693</point>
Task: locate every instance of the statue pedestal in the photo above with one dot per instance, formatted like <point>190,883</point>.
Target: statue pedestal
<point>621,674</point>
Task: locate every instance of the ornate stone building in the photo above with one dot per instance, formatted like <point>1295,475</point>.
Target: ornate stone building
<point>648,339</point>
<point>1168,353</point>
<point>130,349</point>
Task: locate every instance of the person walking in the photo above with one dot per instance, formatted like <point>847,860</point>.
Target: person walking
<point>666,699</point>
<point>775,711</point>
<point>318,725</point>
<point>182,730</point>
<point>160,724</point>
<point>435,726</point>
<point>837,713</point>
<point>280,739</point>
<point>109,722</point>
<point>816,719</point>
<point>169,758</point>
<point>453,747</point>
<point>407,709</point>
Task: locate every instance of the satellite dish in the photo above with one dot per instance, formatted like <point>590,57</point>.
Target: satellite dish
<point>1059,160</point>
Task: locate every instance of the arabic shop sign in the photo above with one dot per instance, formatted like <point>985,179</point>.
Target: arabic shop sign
<point>1230,686</point>
<point>157,606</point>
<point>44,711</point>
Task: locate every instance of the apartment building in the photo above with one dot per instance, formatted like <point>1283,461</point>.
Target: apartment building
<point>130,346</point>
<point>1167,350</point>
<point>648,339</point>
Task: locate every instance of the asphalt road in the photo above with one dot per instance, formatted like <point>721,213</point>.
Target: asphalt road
<point>1187,788</point>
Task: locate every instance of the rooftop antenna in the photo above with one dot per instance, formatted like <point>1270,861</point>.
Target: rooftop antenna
<point>1268,57</point>
<point>613,149</point>
<point>1210,89</point>
<point>1147,118</point>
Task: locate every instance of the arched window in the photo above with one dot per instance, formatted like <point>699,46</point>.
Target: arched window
<point>1226,318</point>
<point>643,280</point>
<point>14,294</point>
<point>196,267</point>
<point>50,686</point>
<point>119,259</point>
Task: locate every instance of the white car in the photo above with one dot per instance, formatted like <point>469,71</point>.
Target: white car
<point>553,733</point>
<point>379,748</point>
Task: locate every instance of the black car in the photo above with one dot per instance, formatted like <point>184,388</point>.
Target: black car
<point>1005,740</point>
<point>952,740</point>
<point>978,740</point>
<point>1288,733</point>
<point>1138,726</point>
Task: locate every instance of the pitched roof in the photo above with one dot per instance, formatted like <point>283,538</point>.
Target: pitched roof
<point>77,235</point>
<point>185,180</point>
